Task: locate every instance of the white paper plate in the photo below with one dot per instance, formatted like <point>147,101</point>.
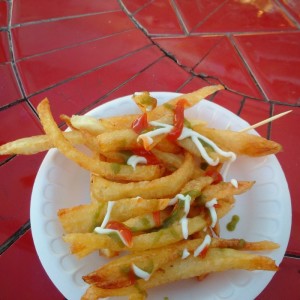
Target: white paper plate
<point>265,213</point>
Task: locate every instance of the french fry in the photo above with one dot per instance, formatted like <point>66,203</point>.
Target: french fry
<point>35,144</point>
<point>92,164</point>
<point>82,244</point>
<point>116,273</point>
<point>84,218</point>
<point>192,99</point>
<point>104,190</point>
<point>216,260</point>
<point>239,142</point>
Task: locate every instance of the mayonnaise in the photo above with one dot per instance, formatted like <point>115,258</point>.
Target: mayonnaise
<point>110,205</point>
<point>206,242</point>
<point>234,183</point>
<point>133,160</point>
<point>185,253</point>
<point>101,230</point>
<point>210,205</point>
<point>140,273</point>
<point>184,225</point>
<point>187,133</point>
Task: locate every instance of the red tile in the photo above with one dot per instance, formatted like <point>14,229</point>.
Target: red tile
<point>224,62</point>
<point>4,7</point>
<point>159,18</point>
<point>40,72</point>
<point>66,32</point>
<point>189,50</point>
<point>9,89</point>
<point>28,10</point>
<point>75,95</point>
<point>237,16</point>
<point>254,111</point>
<point>293,8</point>
<point>228,100</point>
<point>286,132</point>
<point>274,61</point>
<point>134,5</point>
<point>194,84</point>
<point>12,121</point>
<point>156,78</point>
<point>193,12</point>
<point>4,47</point>
<point>17,178</point>
<point>285,283</point>
<point>21,267</point>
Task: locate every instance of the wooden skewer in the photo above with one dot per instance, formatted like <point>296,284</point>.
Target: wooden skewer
<point>265,121</point>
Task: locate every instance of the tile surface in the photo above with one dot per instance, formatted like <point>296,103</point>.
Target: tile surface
<point>81,54</point>
<point>274,61</point>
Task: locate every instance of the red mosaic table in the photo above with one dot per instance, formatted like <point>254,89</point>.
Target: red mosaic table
<point>81,54</point>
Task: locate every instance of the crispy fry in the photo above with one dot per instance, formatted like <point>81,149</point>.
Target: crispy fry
<point>116,273</point>
<point>84,218</point>
<point>239,142</point>
<point>82,244</point>
<point>216,260</point>
<point>104,190</point>
<point>35,144</point>
<point>91,163</point>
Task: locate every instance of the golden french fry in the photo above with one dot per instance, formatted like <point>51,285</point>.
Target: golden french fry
<point>192,98</point>
<point>224,190</point>
<point>35,144</point>
<point>82,244</point>
<point>84,218</point>
<point>116,274</point>
<point>216,260</point>
<point>105,190</point>
<point>108,170</point>
<point>144,101</point>
<point>239,142</point>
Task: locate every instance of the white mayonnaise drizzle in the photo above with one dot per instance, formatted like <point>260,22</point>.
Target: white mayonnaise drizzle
<point>110,205</point>
<point>185,253</point>
<point>210,205</point>
<point>196,137</point>
<point>133,160</point>
<point>140,273</point>
<point>103,230</point>
<point>187,204</point>
<point>188,133</point>
<point>234,183</point>
<point>184,225</point>
<point>164,128</point>
<point>100,230</point>
<point>186,199</point>
<point>206,242</point>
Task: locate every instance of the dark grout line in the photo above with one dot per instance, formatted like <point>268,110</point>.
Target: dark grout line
<point>241,106</point>
<point>139,9</point>
<point>288,14</point>
<point>55,19</point>
<point>289,255</point>
<point>88,71</point>
<point>250,72</point>
<point>12,53</point>
<point>208,16</point>
<point>179,17</point>
<point>98,101</point>
<point>73,45</point>
<point>11,240</point>
<point>269,126</point>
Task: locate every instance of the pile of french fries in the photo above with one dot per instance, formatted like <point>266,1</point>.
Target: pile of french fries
<point>162,212</point>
